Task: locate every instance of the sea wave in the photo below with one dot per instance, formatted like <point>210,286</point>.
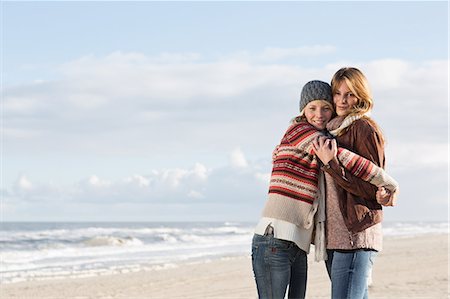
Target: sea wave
<point>51,250</point>
<point>112,241</point>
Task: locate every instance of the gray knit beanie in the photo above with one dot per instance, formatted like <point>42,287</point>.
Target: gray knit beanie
<point>315,90</point>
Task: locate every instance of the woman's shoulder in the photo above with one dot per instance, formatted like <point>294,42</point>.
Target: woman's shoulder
<point>366,126</point>
<point>365,123</point>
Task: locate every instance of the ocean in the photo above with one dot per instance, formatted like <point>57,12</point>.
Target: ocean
<point>38,251</point>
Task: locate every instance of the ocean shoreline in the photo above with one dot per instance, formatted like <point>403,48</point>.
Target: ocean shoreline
<point>50,250</point>
<point>404,269</point>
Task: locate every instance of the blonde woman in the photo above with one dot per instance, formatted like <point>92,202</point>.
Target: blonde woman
<point>354,215</point>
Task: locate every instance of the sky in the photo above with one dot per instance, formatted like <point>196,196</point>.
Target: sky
<point>169,111</point>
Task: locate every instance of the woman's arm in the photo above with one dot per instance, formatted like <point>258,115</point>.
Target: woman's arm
<point>305,137</point>
<point>369,146</point>
<point>327,150</point>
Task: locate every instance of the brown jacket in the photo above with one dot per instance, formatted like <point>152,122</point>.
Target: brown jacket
<point>357,200</point>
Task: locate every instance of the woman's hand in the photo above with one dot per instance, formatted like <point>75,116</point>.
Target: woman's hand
<point>325,149</point>
<point>386,198</point>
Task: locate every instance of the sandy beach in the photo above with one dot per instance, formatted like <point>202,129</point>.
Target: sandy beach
<point>413,267</point>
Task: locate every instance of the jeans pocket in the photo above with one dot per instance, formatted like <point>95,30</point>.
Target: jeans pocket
<point>281,244</point>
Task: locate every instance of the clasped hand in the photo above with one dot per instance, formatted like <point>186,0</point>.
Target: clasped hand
<point>325,149</point>
<point>386,198</point>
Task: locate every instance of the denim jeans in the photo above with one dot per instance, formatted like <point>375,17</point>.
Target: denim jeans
<point>276,264</point>
<point>349,272</point>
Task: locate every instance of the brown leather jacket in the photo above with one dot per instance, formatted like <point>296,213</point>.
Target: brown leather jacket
<point>357,200</point>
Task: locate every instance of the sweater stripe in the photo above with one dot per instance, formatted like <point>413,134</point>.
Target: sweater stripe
<point>287,182</point>
<point>294,170</point>
<point>297,196</point>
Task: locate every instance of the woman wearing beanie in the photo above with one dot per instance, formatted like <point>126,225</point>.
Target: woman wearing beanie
<point>353,222</point>
<point>295,205</point>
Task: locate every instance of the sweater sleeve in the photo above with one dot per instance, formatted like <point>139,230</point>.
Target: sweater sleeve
<point>367,143</point>
<point>301,136</point>
<point>366,169</point>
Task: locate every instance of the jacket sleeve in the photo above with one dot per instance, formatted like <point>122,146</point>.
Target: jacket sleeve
<point>369,146</point>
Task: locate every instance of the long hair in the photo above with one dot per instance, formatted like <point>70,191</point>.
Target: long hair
<point>359,86</point>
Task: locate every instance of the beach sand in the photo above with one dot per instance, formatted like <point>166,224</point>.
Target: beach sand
<point>414,267</point>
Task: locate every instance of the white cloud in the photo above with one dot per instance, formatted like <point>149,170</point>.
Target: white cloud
<point>158,185</point>
<point>19,104</point>
<point>195,194</point>
<point>415,154</point>
<point>165,185</point>
<point>178,108</point>
<point>26,189</point>
<point>174,177</point>
<point>84,101</point>
<point>400,82</point>
<point>138,180</point>
<point>24,184</point>
<point>395,73</point>
<point>152,78</point>
<point>238,159</point>
<point>153,105</point>
<point>389,73</point>
<point>95,181</point>
<point>135,83</point>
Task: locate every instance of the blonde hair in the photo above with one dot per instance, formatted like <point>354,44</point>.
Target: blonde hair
<point>357,83</point>
<point>359,86</point>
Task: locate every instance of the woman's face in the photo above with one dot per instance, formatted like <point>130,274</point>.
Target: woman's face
<point>318,113</point>
<point>344,100</point>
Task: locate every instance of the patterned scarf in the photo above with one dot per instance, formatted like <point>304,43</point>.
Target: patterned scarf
<point>337,125</point>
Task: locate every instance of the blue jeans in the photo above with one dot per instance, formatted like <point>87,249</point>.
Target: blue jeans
<point>349,272</point>
<point>276,264</point>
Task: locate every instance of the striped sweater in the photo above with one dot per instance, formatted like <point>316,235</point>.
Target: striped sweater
<point>293,184</point>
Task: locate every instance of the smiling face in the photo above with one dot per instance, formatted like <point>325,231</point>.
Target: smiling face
<point>344,99</point>
<point>318,113</point>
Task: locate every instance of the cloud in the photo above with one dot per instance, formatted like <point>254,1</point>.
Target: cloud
<point>137,180</point>
<point>23,184</point>
<point>238,159</point>
<point>181,79</point>
<point>172,109</point>
<point>102,84</point>
<point>195,194</point>
<point>141,100</point>
<point>160,186</point>
<point>133,104</point>
<point>404,155</point>
<point>174,177</point>
<point>134,82</point>
<point>25,189</point>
